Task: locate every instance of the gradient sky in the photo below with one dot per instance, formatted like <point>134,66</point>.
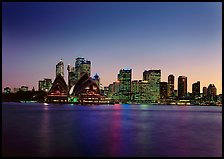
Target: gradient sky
<point>178,38</point>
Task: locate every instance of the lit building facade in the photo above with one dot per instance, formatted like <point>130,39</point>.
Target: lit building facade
<point>60,68</point>
<point>135,90</point>
<point>154,78</point>
<point>45,85</point>
<point>82,66</point>
<point>124,78</point>
<point>196,90</point>
<point>182,87</point>
<point>170,85</point>
<point>144,92</point>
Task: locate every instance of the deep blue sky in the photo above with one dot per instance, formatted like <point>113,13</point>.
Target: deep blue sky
<point>178,38</point>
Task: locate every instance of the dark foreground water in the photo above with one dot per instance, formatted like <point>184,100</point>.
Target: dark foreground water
<point>110,130</point>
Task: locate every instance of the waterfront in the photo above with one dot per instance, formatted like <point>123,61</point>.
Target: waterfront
<point>37,129</point>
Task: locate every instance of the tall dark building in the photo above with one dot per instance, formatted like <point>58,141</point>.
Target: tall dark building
<point>196,89</point>
<point>182,87</point>
<point>205,91</point>
<point>163,90</point>
<point>124,77</point>
<point>170,87</point>
<point>212,92</point>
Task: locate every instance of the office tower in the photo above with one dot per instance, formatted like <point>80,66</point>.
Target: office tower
<point>196,90</point>
<point>170,85</point>
<point>60,68</point>
<point>153,77</point>
<point>135,90</point>
<point>124,77</point>
<point>45,85</point>
<point>163,90</point>
<point>182,87</point>
<point>82,66</point>
<point>211,92</point>
<point>144,92</point>
<point>205,91</point>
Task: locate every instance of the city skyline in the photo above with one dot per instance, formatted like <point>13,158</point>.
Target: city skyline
<point>113,36</point>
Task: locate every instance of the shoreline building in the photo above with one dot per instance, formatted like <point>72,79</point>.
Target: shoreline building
<point>211,92</point>
<point>196,90</point>
<point>154,78</point>
<point>170,86</point>
<point>182,87</point>
<point>44,85</point>
<point>163,90</point>
<point>124,78</point>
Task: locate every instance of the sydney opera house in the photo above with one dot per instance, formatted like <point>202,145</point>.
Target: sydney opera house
<point>81,87</point>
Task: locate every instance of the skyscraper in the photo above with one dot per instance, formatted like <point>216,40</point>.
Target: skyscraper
<point>212,92</point>
<point>154,77</point>
<point>124,77</point>
<point>163,90</point>
<point>205,91</point>
<point>182,87</point>
<point>196,89</point>
<point>81,66</point>
<point>170,85</point>
<point>60,68</point>
<point>74,73</point>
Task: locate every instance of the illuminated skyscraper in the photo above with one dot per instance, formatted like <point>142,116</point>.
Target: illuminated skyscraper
<point>60,68</point>
<point>154,78</point>
<point>182,87</point>
<point>81,66</point>
<point>144,92</point>
<point>74,73</point>
<point>124,77</point>
<point>135,90</point>
<point>196,89</point>
<point>170,85</point>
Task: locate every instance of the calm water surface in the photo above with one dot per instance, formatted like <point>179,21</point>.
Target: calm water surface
<point>39,129</point>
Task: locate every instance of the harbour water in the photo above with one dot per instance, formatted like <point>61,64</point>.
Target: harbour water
<point>38,129</point>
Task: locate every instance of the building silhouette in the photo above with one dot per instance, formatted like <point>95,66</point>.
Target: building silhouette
<point>196,90</point>
<point>182,87</point>
<point>163,90</point>
<point>211,92</point>
<point>170,85</point>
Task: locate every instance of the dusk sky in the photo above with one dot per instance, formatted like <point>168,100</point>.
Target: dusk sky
<point>183,39</point>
